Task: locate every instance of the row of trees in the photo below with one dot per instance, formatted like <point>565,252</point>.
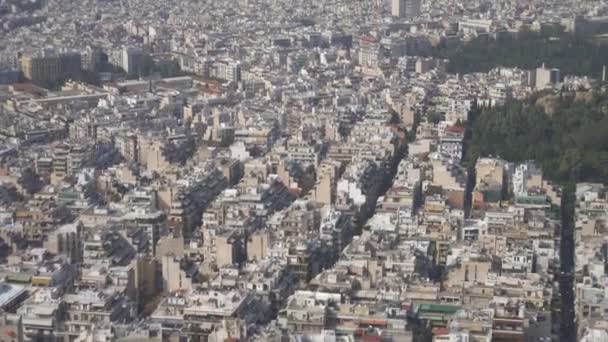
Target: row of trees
<point>573,54</point>
<point>570,143</point>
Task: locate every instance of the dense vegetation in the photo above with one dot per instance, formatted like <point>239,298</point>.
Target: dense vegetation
<point>570,142</point>
<point>180,151</point>
<point>30,181</point>
<point>572,54</point>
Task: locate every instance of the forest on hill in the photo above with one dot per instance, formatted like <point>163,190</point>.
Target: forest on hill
<point>572,54</point>
<point>569,138</point>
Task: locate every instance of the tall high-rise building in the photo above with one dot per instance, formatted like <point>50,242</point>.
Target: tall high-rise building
<point>545,77</point>
<point>51,67</point>
<point>174,278</point>
<point>369,53</point>
<point>66,240</point>
<point>227,70</point>
<point>144,279</point>
<point>91,58</point>
<point>397,8</point>
<point>132,60</point>
<point>407,9</point>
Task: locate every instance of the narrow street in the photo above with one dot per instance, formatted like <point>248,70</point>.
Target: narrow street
<point>566,277</point>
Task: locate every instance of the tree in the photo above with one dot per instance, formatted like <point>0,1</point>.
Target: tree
<point>62,214</point>
<point>9,195</point>
<point>180,152</point>
<point>395,120</point>
<point>30,181</point>
<point>105,156</point>
<point>434,117</point>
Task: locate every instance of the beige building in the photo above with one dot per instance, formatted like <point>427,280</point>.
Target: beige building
<point>173,277</point>
<point>231,168</point>
<point>424,65</point>
<point>255,172</point>
<point>258,245</point>
<point>407,115</point>
<point>191,111</point>
<point>40,69</point>
<point>144,283</point>
<point>545,77</point>
<point>66,240</point>
<point>448,176</point>
<point>61,154</point>
<point>408,9</point>
<point>324,191</point>
<point>169,245</point>
<point>489,170</point>
<point>228,249</point>
<point>470,272</point>
<point>128,147</point>
<point>151,154</point>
